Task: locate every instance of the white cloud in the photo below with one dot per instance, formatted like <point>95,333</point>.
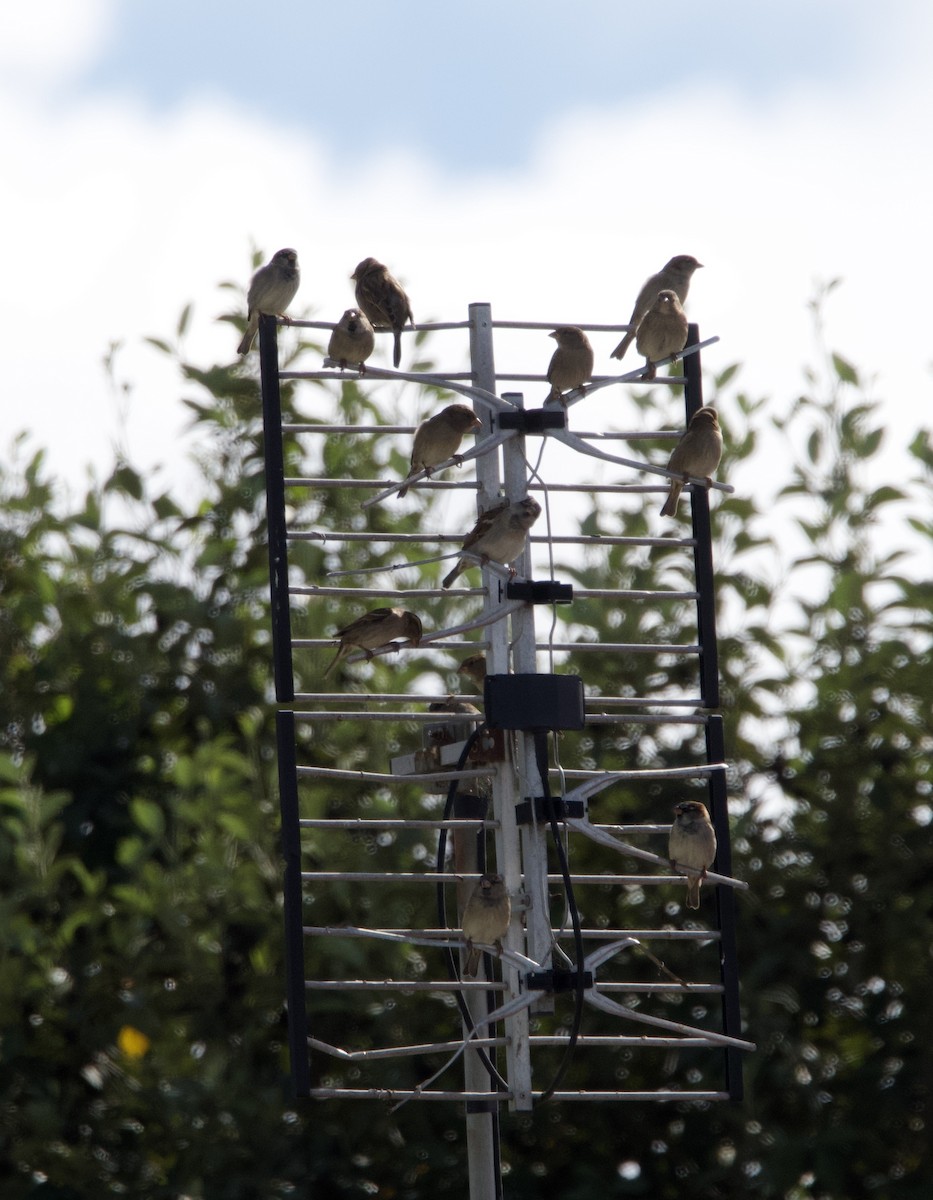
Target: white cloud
<point>44,44</point>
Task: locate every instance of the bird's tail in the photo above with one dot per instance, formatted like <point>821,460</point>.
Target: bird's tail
<point>397,352</point>
<point>452,575</point>
<point>247,339</point>
<point>693,891</point>
<point>620,350</point>
<point>673,499</point>
<point>336,659</point>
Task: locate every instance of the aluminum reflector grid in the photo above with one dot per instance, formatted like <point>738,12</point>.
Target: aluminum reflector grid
<point>598,982</point>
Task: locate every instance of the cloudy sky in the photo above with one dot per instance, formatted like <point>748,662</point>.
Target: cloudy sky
<point>543,156</point>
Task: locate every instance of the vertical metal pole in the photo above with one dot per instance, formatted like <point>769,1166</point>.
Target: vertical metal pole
<point>284,691</point>
<point>725,900</point>
<point>505,798</point>
<point>294,934</point>
<point>715,742</point>
<point>275,509</point>
<point>525,658</point>
<point>703,544</point>
<point>482,1117</point>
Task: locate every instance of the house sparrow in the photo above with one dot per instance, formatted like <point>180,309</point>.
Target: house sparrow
<point>375,629</point>
<point>447,731</point>
<point>571,363</point>
<point>676,276</point>
<point>485,918</point>
<point>474,667</point>
<point>439,438</point>
<point>697,454</point>
<point>692,844</point>
<point>499,534</point>
<point>663,331</point>
<point>271,290</point>
<point>463,707</point>
<point>352,341</point>
<point>382,298</point>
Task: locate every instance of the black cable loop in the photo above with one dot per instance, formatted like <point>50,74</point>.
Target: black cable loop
<point>452,968</point>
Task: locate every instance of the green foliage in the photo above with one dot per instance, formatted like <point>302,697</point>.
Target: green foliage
<point>142,1032</point>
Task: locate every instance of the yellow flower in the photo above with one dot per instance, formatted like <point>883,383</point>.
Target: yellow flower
<point>132,1042</point>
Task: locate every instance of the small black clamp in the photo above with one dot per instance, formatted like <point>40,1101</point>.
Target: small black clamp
<point>556,981</point>
<point>537,809</point>
<point>539,591</point>
<point>533,420</point>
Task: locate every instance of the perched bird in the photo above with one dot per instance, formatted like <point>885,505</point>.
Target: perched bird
<point>352,340</point>
<point>271,290</point>
<point>463,707</point>
<point>439,438</point>
<point>697,454</point>
<point>374,629</point>
<point>571,363</point>
<point>485,918</point>
<point>663,331</point>
<point>447,731</point>
<point>676,276</point>
<point>499,534</point>
<point>382,298</point>
<point>692,844</point>
<point>474,667</point>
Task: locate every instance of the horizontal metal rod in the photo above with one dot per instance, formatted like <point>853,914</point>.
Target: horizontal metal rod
<point>435,878</point>
<point>447,539</point>
<point>697,989</point>
<point>389,1094</point>
<point>700,770</point>
<point>389,593</point>
<point>594,383</point>
<point>497,324</point>
<point>298,427</point>
<point>376,777</point>
<point>619,647</point>
<point>447,718</point>
<point>642,719</point>
<point>429,697</point>
<point>307,481</point>
<point>648,1042</point>
<point>399,1051</point>
<point>300,323</point>
<point>448,823</point>
<point>417,718</point>
<point>471,485</point>
<point>329,590</point>
<point>685,987</point>
<point>568,647</point>
<point>662,1097</point>
<point>629,594</point>
<point>397,823</point>
<point>597,935</point>
<point>422,325</point>
<point>402,985</point>
<point>537,1039</point>
<point>630,435</point>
